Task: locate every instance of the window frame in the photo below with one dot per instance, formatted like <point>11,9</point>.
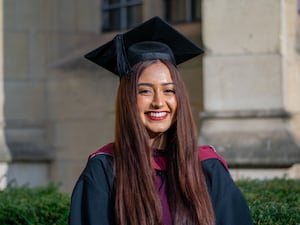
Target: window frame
<point>123,6</point>
<point>189,14</point>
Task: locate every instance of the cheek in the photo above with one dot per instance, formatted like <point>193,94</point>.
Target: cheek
<point>142,102</point>
<point>173,103</point>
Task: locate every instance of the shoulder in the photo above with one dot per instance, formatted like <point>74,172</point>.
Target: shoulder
<point>228,201</point>
<point>92,196</point>
<point>99,166</point>
<point>104,150</point>
<point>208,152</point>
<point>214,165</point>
<point>216,170</point>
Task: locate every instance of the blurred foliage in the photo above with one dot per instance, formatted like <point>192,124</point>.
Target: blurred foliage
<point>33,206</point>
<point>273,202</point>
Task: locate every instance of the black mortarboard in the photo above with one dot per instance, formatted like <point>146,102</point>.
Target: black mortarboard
<point>153,39</point>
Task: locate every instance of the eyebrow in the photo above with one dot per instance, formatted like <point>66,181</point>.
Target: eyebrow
<point>151,85</point>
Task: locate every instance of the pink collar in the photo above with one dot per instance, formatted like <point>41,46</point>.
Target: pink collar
<point>159,161</point>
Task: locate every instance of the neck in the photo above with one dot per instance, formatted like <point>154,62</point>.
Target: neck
<point>158,141</point>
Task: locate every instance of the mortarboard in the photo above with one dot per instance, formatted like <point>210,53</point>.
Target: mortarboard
<point>153,39</point>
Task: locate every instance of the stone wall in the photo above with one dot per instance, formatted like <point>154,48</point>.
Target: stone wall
<point>57,107</point>
<point>23,77</point>
<point>246,92</point>
<point>38,98</point>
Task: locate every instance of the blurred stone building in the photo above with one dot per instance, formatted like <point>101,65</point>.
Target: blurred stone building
<point>56,107</point>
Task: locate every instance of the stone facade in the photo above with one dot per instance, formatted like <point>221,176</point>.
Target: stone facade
<point>57,107</point>
<point>250,73</point>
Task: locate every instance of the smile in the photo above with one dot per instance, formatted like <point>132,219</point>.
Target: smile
<point>157,115</point>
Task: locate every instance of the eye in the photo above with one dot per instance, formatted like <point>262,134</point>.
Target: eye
<point>170,91</point>
<point>144,91</point>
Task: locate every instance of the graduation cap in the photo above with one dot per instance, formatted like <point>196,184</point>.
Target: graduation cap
<point>153,39</point>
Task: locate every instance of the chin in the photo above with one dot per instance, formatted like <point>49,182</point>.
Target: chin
<point>155,133</point>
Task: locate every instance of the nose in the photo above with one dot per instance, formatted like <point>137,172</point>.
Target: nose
<point>157,101</point>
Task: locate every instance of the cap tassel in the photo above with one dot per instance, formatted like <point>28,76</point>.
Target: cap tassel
<point>123,66</point>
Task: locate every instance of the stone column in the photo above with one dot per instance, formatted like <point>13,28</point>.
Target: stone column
<point>5,156</point>
<point>245,117</point>
<point>291,62</point>
<point>22,93</point>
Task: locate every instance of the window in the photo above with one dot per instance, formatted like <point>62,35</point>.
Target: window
<point>121,14</point>
<point>183,10</point>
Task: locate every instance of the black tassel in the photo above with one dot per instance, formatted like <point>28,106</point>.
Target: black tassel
<point>123,66</point>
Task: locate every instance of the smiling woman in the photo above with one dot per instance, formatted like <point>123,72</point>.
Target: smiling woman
<point>153,173</point>
<point>156,99</point>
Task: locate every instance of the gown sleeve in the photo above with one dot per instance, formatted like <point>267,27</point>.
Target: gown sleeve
<point>92,198</point>
<point>229,204</point>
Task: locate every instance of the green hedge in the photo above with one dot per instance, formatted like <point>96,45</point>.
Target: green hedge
<point>33,206</point>
<point>272,202</point>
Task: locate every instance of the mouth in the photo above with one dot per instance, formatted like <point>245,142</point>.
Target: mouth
<point>157,115</point>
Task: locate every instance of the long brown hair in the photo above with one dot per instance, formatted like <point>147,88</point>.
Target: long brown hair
<point>137,200</point>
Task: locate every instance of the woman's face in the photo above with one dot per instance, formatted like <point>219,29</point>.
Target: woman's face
<point>156,99</point>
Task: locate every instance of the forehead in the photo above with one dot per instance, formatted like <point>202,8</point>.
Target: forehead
<point>156,73</point>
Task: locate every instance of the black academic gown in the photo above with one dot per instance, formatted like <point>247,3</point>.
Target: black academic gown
<point>92,200</point>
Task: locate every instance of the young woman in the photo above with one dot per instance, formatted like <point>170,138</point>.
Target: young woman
<point>154,173</point>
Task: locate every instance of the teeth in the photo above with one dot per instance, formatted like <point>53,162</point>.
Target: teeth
<point>158,114</point>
